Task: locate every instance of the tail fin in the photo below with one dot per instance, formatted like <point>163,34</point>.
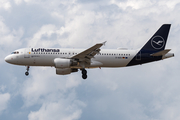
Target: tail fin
<point>158,41</point>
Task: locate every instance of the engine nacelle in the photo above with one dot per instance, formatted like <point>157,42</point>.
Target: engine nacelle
<point>64,63</point>
<point>65,71</point>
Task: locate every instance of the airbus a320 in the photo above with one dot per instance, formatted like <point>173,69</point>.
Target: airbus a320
<point>67,61</point>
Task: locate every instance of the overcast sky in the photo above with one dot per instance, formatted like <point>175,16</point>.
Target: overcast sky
<point>145,92</point>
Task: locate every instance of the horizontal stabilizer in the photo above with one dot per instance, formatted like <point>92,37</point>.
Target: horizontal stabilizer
<point>161,53</point>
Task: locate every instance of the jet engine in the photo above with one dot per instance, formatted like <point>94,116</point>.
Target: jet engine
<point>64,63</point>
<point>65,71</point>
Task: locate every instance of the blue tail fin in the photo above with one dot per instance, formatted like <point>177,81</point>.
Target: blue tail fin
<point>155,44</point>
<point>158,41</point>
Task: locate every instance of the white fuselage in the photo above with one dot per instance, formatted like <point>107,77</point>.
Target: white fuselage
<point>105,58</point>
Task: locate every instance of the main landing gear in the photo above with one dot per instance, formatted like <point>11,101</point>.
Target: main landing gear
<point>27,72</point>
<point>84,74</point>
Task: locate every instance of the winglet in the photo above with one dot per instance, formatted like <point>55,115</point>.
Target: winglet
<point>104,43</point>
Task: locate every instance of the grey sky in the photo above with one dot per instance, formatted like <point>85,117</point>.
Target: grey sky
<point>146,92</point>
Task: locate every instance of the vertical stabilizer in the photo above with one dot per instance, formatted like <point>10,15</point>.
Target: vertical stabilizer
<point>153,50</point>
<point>158,41</point>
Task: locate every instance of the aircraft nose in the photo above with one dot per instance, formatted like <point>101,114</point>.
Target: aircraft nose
<point>7,59</point>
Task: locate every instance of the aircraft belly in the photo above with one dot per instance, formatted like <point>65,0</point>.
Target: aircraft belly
<point>114,61</point>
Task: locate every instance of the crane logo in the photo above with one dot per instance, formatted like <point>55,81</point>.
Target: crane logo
<point>157,42</point>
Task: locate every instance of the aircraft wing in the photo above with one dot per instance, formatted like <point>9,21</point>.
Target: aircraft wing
<point>89,53</point>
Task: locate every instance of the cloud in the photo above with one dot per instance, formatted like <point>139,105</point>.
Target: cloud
<point>9,39</point>
<point>37,88</point>
<point>4,101</point>
<point>5,4</point>
<point>135,4</point>
<point>64,109</point>
<point>139,4</point>
<point>44,37</point>
<point>2,88</point>
<point>57,97</point>
<point>18,2</point>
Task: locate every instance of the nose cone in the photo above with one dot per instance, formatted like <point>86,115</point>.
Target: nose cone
<point>7,59</point>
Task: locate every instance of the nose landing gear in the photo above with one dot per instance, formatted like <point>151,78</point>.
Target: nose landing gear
<point>27,72</point>
<point>84,74</point>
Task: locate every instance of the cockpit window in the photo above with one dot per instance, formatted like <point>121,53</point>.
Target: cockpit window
<point>16,52</point>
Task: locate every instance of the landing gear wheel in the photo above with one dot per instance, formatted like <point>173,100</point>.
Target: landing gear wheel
<point>84,76</point>
<point>26,73</point>
<point>84,71</point>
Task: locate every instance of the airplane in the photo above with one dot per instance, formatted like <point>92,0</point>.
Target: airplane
<point>67,61</point>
